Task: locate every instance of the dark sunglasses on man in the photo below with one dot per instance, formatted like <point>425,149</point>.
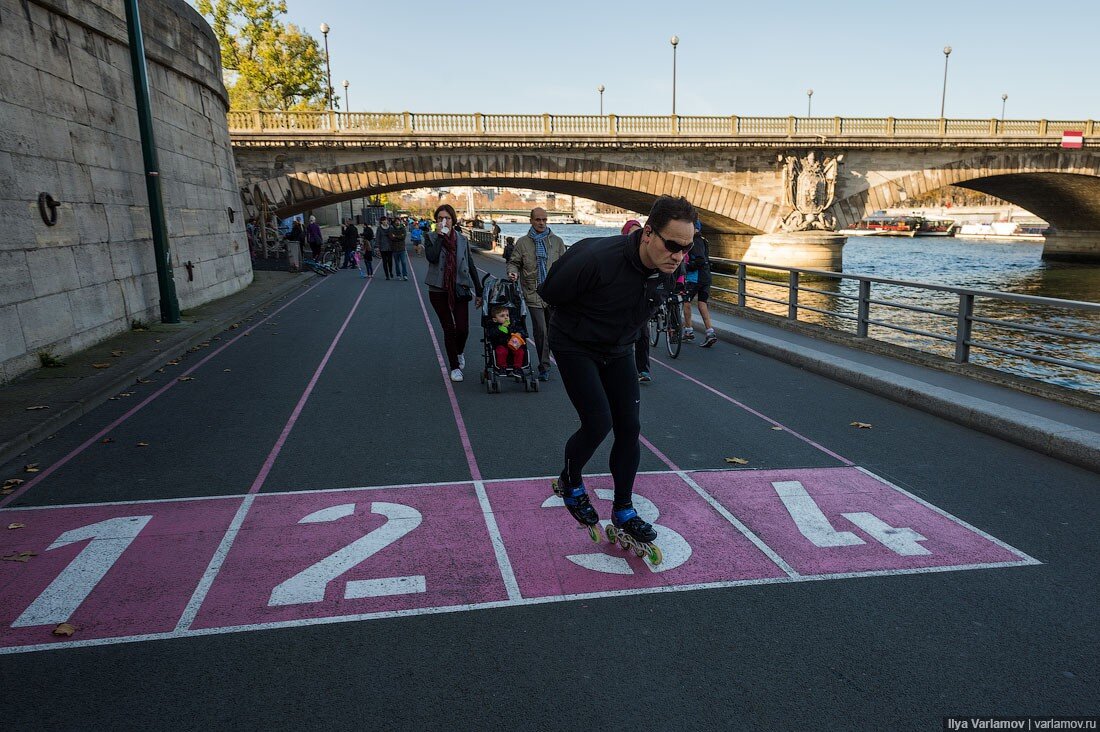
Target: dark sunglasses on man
<point>672,246</point>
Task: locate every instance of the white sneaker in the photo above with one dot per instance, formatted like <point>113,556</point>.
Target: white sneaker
<point>456,375</point>
<point>461,361</point>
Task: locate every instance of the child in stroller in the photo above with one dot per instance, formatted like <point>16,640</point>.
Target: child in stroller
<point>506,348</point>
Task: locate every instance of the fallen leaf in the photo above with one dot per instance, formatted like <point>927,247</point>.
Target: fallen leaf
<point>145,381</point>
<point>777,429</point>
<point>112,399</point>
<point>40,406</point>
<point>6,491</point>
<point>861,425</point>
<point>234,326</point>
<point>158,340</point>
<point>116,354</point>
<point>247,334</point>
<point>217,338</point>
<point>187,378</point>
<point>64,629</point>
<point>226,371</point>
<point>30,468</point>
<point>175,362</point>
<point>16,526</point>
<point>107,440</point>
<point>737,460</point>
<point>19,557</point>
<point>142,444</point>
<point>12,482</point>
<point>101,365</point>
<point>160,371</point>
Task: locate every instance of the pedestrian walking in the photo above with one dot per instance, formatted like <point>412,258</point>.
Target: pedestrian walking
<point>600,293</point>
<point>349,240</point>
<point>366,253</point>
<point>532,257</point>
<point>385,246</point>
<point>314,238</point>
<point>398,235</point>
<point>295,249</point>
<point>452,282</point>
<point>697,286</point>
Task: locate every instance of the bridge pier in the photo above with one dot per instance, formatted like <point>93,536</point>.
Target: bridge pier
<point>1073,246</point>
<point>809,249</point>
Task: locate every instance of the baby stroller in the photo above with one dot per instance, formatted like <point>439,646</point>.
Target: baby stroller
<point>507,293</point>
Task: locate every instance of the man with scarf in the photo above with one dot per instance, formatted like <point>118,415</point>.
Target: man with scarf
<point>532,257</point>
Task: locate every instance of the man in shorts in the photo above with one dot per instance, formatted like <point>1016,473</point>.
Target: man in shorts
<point>697,284</point>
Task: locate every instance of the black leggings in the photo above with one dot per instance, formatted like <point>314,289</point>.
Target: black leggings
<point>604,391</point>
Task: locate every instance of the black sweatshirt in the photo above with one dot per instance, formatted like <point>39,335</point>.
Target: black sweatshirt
<point>600,294</point>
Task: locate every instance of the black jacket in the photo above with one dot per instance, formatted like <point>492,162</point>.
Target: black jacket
<point>698,259</point>
<point>600,294</point>
<point>349,237</point>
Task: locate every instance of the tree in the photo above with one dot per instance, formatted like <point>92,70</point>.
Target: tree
<point>267,64</point>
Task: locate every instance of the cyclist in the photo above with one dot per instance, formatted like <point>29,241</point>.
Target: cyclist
<point>600,292</point>
<point>697,284</point>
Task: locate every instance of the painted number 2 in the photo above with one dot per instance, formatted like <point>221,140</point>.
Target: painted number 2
<point>813,524</point>
<point>309,585</point>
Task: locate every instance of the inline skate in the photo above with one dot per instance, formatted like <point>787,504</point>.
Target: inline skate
<point>634,534</point>
<point>580,508</point>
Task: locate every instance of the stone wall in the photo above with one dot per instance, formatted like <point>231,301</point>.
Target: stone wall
<point>70,129</point>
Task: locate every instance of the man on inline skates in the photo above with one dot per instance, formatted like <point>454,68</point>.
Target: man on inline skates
<point>600,293</point>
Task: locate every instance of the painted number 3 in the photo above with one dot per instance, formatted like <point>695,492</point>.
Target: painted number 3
<point>675,547</point>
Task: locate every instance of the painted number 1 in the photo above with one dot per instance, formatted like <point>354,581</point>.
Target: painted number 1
<point>109,539</point>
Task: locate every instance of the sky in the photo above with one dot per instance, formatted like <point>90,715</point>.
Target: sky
<point>862,59</point>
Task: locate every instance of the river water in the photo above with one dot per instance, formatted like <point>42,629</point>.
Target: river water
<point>1015,267</point>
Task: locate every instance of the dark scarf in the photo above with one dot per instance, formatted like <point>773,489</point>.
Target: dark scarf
<point>450,266</point>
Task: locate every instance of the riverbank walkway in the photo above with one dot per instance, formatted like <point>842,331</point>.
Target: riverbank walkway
<point>288,517</point>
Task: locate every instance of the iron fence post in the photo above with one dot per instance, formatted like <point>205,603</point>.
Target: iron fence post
<point>740,284</point>
<point>964,328</point>
<point>792,295</point>
<point>864,311</point>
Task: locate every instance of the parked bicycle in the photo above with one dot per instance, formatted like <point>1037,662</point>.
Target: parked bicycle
<point>668,318</point>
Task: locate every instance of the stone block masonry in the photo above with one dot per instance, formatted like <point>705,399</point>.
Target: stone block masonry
<point>70,130</point>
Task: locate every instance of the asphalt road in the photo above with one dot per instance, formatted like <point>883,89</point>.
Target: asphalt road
<point>874,651</point>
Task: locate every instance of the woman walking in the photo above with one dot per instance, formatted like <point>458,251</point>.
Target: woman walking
<point>385,246</point>
<point>452,281</point>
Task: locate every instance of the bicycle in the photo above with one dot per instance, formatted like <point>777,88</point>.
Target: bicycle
<point>668,318</point>
<point>333,254</point>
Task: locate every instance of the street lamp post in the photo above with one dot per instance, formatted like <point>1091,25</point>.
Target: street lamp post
<point>1004,99</point>
<point>600,89</point>
<point>675,41</point>
<point>809,102</point>
<point>943,97</point>
<point>347,104</point>
<point>328,69</point>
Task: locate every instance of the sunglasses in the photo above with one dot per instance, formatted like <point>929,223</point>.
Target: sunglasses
<point>672,246</point>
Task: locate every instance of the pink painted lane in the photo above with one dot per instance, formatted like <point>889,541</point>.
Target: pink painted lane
<point>843,520</point>
<point>112,571</point>
<point>550,556</point>
<point>354,552</point>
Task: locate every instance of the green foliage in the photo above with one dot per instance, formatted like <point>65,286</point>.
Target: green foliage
<point>267,64</point>
<point>48,360</point>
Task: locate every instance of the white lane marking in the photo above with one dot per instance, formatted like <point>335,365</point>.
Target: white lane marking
<point>332,513</point>
<point>505,564</point>
<point>306,622</point>
<point>901,541</point>
<point>809,519</point>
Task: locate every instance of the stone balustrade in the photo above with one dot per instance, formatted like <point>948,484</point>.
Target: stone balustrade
<point>551,125</point>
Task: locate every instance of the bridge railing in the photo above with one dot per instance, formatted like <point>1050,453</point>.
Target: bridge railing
<point>574,125</point>
<point>1011,332</point>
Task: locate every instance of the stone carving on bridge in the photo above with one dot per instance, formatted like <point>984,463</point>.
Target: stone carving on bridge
<point>809,188</point>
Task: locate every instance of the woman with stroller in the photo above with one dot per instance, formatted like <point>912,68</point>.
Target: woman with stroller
<point>452,282</point>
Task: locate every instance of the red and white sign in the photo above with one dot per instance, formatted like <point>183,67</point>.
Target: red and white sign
<point>1073,139</point>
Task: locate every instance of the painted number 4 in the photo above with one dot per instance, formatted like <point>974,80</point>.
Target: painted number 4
<point>813,524</point>
<point>309,585</point>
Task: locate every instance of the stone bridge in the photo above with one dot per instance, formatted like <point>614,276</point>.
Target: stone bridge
<point>727,166</point>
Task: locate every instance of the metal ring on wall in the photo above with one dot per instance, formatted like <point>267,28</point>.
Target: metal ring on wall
<point>47,208</point>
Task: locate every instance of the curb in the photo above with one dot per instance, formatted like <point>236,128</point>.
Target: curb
<point>1065,442</point>
<point>102,391</point>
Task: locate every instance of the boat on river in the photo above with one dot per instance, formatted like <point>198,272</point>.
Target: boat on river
<point>908,226</point>
<point>1007,230</point>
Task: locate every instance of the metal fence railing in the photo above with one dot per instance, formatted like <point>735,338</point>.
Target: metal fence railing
<point>1039,337</point>
<point>550,125</point>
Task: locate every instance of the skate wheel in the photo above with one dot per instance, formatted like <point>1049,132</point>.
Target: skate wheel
<point>623,543</point>
<point>594,533</point>
<point>654,555</point>
<point>612,534</point>
<point>639,551</point>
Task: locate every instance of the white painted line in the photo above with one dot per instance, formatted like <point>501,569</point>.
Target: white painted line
<point>215,565</point>
<point>745,530</point>
<point>306,622</point>
<point>505,564</point>
<point>1027,559</point>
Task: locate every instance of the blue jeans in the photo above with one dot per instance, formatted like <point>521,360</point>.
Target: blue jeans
<point>401,264</point>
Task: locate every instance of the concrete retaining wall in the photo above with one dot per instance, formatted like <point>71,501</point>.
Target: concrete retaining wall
<point>70,129</point>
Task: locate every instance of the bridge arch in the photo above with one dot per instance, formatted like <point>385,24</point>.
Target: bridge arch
<point>721,209</point>
<point>1062,189</point>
